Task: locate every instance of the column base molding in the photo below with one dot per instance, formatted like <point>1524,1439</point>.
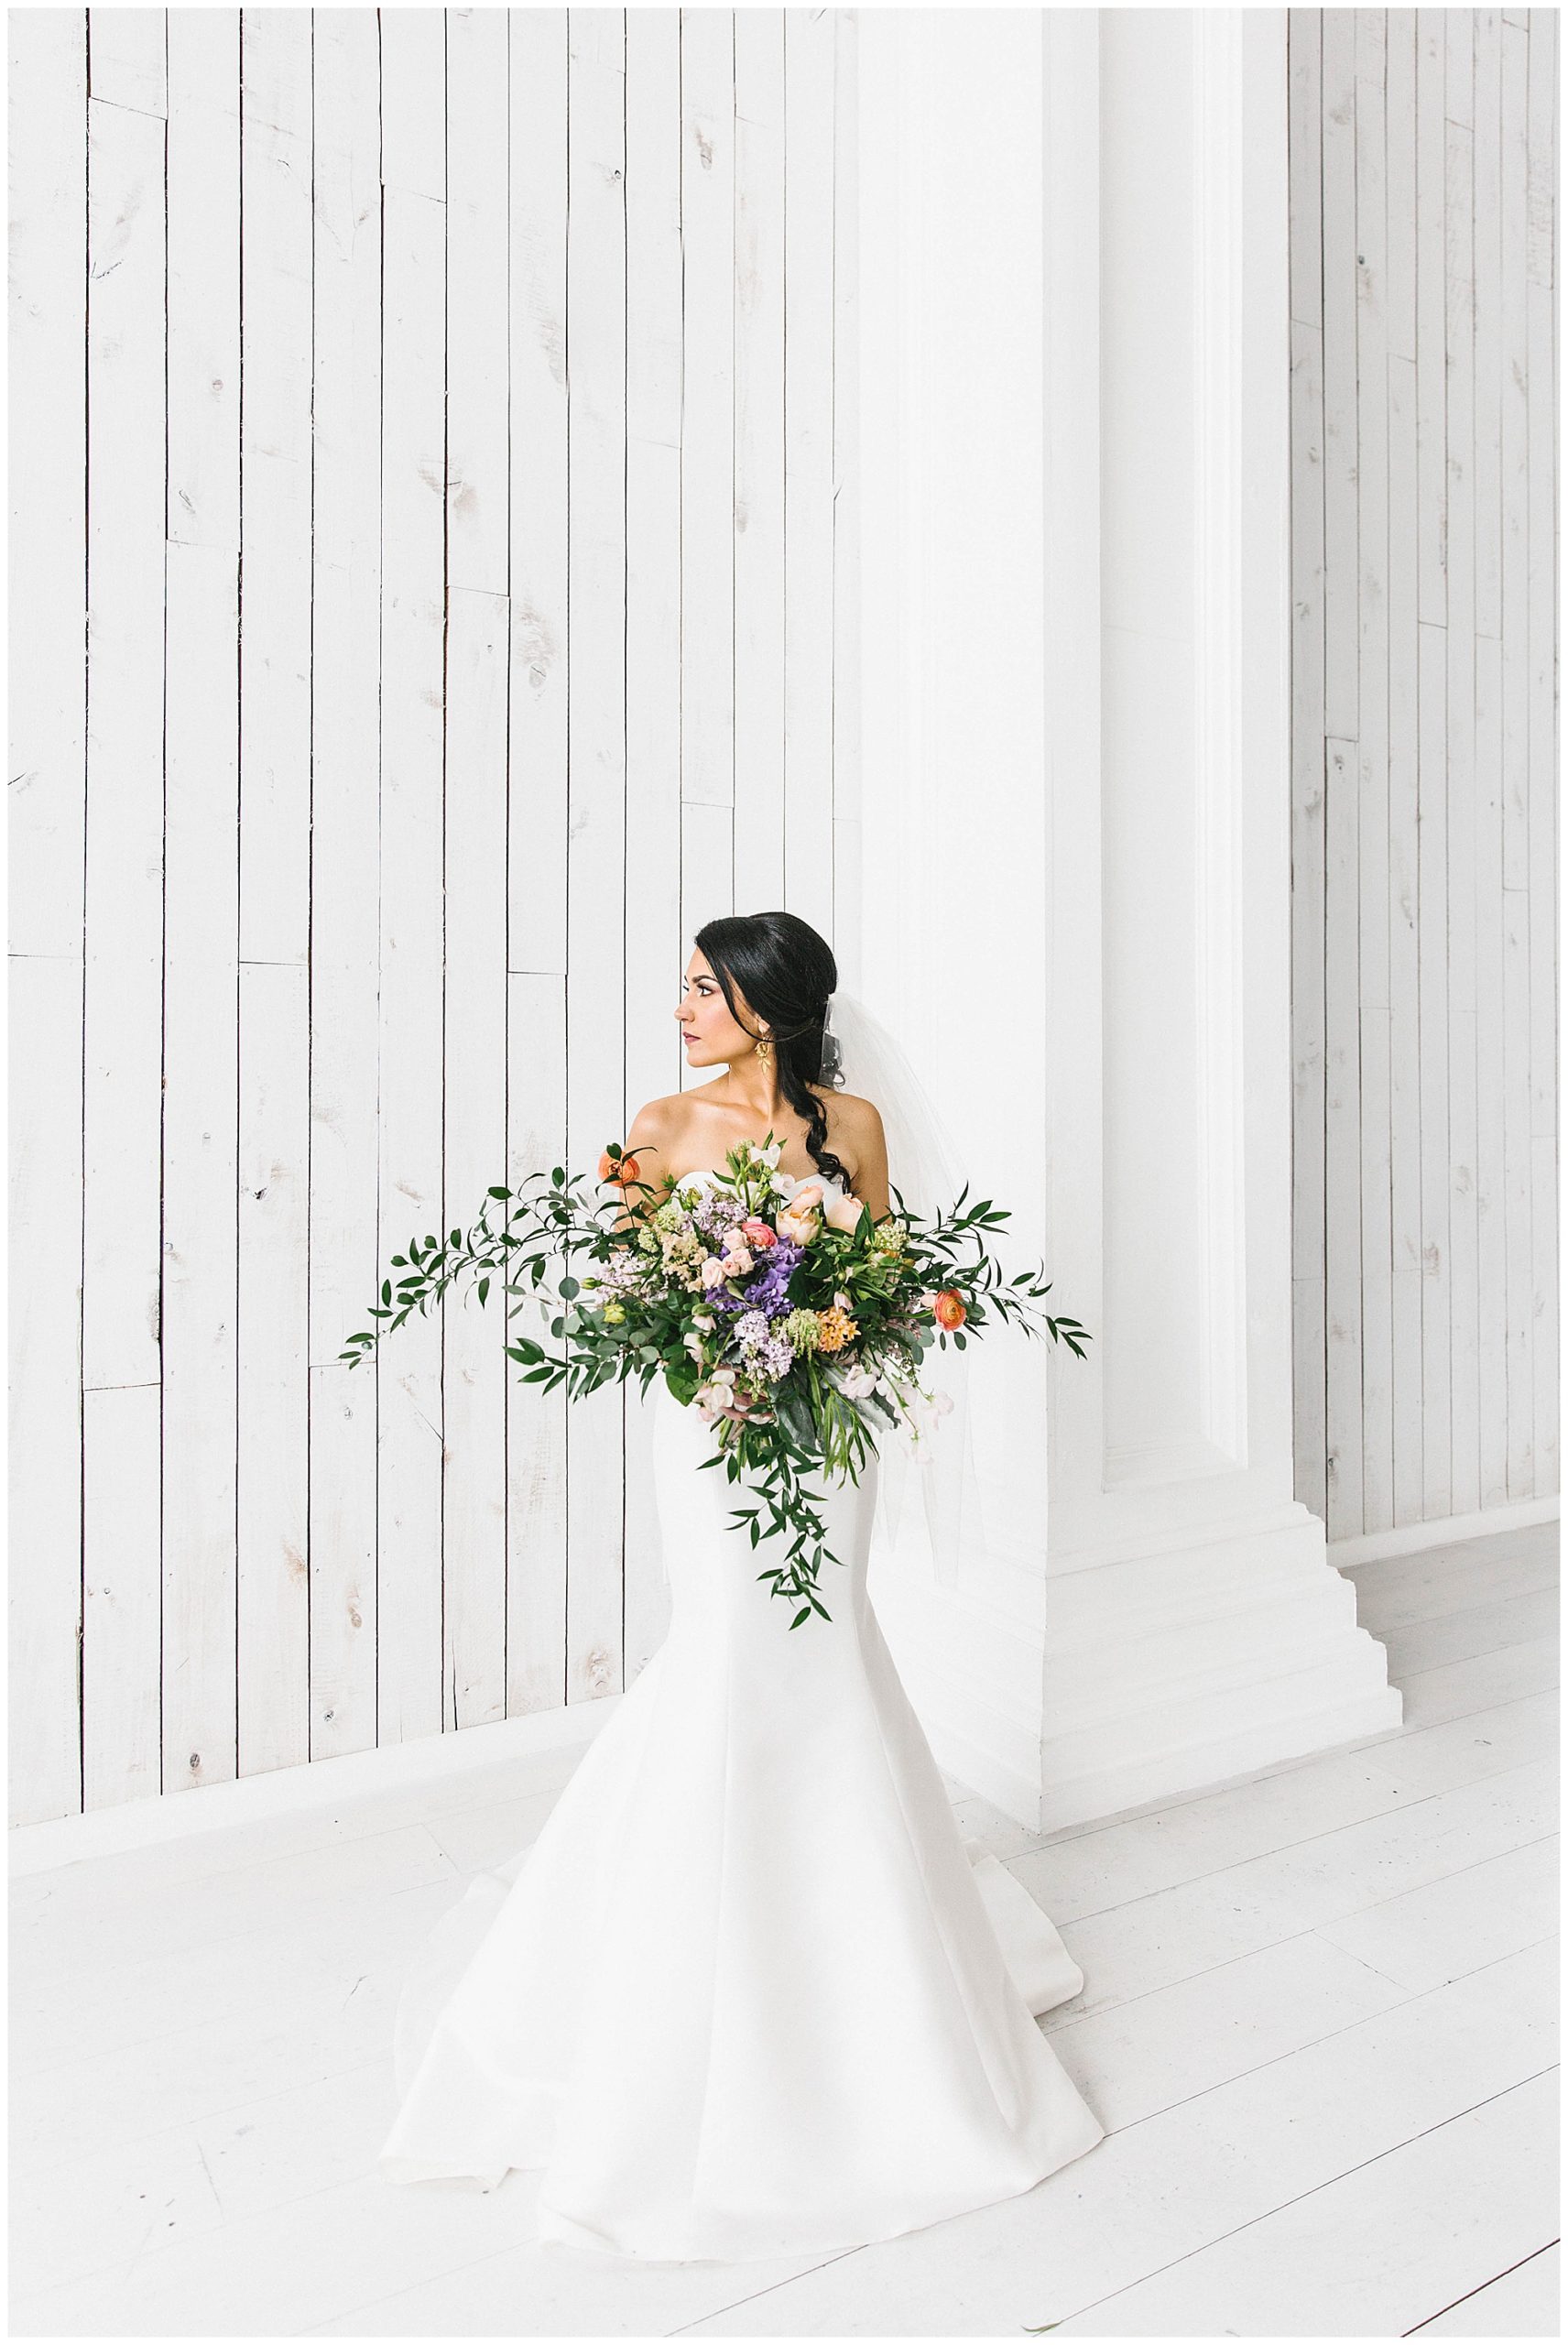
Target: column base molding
<point>1158,1674</point>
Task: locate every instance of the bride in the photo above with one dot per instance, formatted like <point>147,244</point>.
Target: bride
<point>750,1993</point>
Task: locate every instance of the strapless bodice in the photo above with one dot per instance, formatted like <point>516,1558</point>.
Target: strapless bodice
<point>830,1182</point>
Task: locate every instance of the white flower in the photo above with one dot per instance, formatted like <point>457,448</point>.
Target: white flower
<point>770,1155</point>
<point>843,1301</point>
<point>712,1270</point>
<point>694,1345</point>
<point>722,1375</point>
<point>943,1403</point>
<point>703,1319</point>
<point>857,1383</point>
<point>737,1261</point>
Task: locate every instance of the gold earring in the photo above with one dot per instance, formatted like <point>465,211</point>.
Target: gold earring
<point>765,1048</point>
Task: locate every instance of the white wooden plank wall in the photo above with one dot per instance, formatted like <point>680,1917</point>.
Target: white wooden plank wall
<point>428,606</point>
<point>1425,953</point>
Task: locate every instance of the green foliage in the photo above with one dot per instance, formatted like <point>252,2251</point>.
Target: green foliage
<point>812,1423</point>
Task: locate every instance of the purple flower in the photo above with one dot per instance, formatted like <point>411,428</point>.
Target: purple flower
<point>770,1291</point>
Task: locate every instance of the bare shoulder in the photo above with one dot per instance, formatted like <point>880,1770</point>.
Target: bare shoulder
<point>854,1131</point>
<point>656,1134</point>
<point>855,1117</point>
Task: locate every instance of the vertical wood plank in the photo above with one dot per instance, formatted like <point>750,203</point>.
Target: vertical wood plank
<point>846,523</point>
<point>1431,46</point>
<point>1432,925</point>
<point>1491,1262</point>
<point>44,1420</point>
<point>475,1364</point>
<point>1305,87</point>
<point>201,1006</point>
<point>1459,720</point>
<point>345,719</point>
<point>535,1421</point>
<point>809,48</point>
<point>707,863</point>
<point>1307,723</point>
<point>598,877</point>
<point>1342,1071</point>
<point>1431,784</point>
<point>474,1367</point>
<point>121,1537</point>
<point>538,346</point>
<point>1341,1187</point>
<point>708,428</point>
<point>129,52</point>
<point>537,811</point>
<point>1514,1040</point>
<point>411,1430</point>
<point>655,950</point>
<point>1405,1465</point>
<point>48,813</point>
<point>760,456</point>
<point>273,1649</point>
<point>1541,430</point>
<point>122,981</point>
<point>478,293</point>
<point>272,1498</point>
<point>1372,852</point>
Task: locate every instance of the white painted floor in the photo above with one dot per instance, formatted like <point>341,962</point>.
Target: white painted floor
<point>1319,2026</point>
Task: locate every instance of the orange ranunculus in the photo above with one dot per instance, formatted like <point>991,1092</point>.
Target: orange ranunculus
<point>948,1309</point>
<point>618,1171</point>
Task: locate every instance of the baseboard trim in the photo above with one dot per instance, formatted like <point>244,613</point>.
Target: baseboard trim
<point>1446,1531</point>
<point>542,1736</point>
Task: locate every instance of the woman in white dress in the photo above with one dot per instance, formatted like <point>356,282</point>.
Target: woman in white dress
<point>750,1993</point>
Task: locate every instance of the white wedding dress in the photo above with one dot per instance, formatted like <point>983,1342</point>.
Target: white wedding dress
<point>750,1993</point>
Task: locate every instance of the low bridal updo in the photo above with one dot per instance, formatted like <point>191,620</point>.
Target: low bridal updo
<point>786,972</point>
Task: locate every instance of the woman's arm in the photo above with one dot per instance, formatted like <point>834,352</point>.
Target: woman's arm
<point>650,1140</point>
<point>871,1163</point>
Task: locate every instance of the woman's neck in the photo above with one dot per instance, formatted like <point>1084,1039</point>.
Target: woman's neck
<point>758,1096</point>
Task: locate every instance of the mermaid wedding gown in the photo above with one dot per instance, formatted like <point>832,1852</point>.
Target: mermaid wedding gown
<point>750,1993</point>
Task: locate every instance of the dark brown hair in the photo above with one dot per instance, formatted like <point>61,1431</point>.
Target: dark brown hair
<point>786,972</point>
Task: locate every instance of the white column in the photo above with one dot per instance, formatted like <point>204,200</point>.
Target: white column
<point>1074,410</point>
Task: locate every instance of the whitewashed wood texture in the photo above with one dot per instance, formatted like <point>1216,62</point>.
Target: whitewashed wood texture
<point>1424,822</point>
<point>443,444</point>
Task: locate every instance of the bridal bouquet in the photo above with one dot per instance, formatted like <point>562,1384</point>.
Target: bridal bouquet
<point>785,1316</point>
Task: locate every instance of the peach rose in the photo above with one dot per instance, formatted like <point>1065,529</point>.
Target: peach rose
<point>618,1171</point>
<point>800,1228</point>
<point>949,1308</point>
<point>842,1213</point>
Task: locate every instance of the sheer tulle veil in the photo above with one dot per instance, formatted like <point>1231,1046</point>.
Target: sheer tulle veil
<point>926,1170</point>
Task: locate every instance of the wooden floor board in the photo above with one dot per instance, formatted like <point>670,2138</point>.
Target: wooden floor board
<point>1526,2301</point>
<point>1319,2014</point>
